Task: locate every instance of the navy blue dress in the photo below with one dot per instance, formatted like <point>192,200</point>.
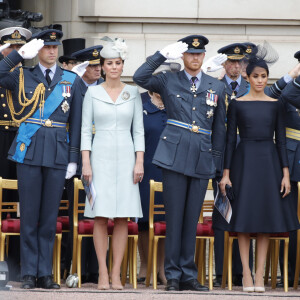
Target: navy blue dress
<point>154,123</point>
<point>256,168</point>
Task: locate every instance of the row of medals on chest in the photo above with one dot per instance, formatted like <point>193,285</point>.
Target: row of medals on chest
<point>211,100</point>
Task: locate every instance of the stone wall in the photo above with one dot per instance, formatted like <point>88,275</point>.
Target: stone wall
<point>148,25</point>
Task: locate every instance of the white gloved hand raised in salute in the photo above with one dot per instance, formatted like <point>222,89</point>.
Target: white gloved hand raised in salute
<point>31,49</point>
<point>174,51</point>
<point>4,47</point>
<point>214,63</point>
<point>80,68</point>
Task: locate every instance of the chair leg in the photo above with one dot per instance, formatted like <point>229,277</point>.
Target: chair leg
<point>54,259</point>
<point>110,256</point>
<point>7,245</point>
<point>210,269</point>
<point>297,268</point>
<point>154,268</point>
<point>125,264</point>
<point>285,265</point>
<point>74,255</point>
<point>225,260</point>
<point>79,242</point>
<point>58,257</point>
<point>275,263</point>
<point>2,243</point>
<point>197,252</point>
<point>230,242</point>
<point>200,260</point>
<point>204,262</point>
<point>150,259</point>
<point>255,261</point>
<point>267,271</point>
<point>134,261</point>
<point>130,265</point>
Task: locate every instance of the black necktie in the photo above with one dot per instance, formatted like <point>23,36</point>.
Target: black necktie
<point>48,78</point>
<point>233,85</point>
<point>194,80</point>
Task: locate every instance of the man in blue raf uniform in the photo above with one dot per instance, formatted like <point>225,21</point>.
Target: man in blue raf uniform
<point>190,150</point>
<point>291,99</point>
<point>12,38</point>
<point>91,77</point>
<point>43,99</point>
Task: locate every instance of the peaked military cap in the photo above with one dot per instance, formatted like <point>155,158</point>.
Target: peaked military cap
<point>92,54</point>
<point>196,43</point>
<point>234,51</point>
<point>14,35</point>
<point>297,55</point>
<point>49,36</point>
<point>70,46</point>
<point>251,49</point>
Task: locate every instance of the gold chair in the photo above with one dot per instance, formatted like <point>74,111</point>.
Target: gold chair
<point>154,233</point>
<point>84,228</point>
<point>157,231</point>
<point>11,226</point>
<point>204,233</point>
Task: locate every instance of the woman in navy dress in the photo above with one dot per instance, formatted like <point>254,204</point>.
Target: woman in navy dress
<point>155,118</point>
<point>258,171</point>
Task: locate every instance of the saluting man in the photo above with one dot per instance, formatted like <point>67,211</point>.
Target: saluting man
<point>12,38</point>
<point>190,150</point>
<point>50,98</point>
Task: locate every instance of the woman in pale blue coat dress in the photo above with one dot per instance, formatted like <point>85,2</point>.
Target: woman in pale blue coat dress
<point>113,160</point>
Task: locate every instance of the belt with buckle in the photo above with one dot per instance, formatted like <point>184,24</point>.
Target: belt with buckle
<point>191,127</point>
<point>292,134</point>
<point>9,123</point>
<point>46,123</point>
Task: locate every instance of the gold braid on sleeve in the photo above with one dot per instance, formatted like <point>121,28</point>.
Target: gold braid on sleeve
<point>39,93</point>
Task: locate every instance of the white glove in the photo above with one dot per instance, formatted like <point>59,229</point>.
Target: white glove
<point>214,63</point>
<point>4,47</point>
<point>71,170</point>
<point>31,49</point>
<point>80,68</point>
<point>174,51</point>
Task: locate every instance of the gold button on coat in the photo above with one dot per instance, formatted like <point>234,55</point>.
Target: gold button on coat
<point>3,104</point>
<point>5,116</point>
<point>2,95</point>
<point>194,108</point>
<point>6,127</point>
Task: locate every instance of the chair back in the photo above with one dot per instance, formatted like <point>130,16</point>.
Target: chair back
<point>64,205</point>
<point>7,184</point>
<point>155,209</point>
<point>208,205</point>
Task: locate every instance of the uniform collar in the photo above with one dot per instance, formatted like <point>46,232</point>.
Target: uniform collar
<point>43,69</point>
<point>229,80</point>
<point>189,76</point>
<point>90,84</point>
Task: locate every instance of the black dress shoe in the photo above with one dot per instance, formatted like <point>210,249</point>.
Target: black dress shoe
<point>218,281</point>
<point>141,279</point>
<point>172,285</point>
<point>28,282</point>
<point>192,285</point>
<point>46,282</point>
<point>281,285</point>
<point>237,280</point>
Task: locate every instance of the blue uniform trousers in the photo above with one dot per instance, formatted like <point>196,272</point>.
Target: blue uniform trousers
<point>40,191</point>
<point>183,198</point>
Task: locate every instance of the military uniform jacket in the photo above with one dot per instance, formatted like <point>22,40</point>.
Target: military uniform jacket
<point>291,99</point>
<point>50,146</point>
<point>180,150</point>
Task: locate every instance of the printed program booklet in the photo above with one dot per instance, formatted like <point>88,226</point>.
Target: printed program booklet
<point>222,203</point>
<point>90,191</point>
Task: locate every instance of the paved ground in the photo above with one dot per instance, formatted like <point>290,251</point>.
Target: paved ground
<point>89,292</point>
